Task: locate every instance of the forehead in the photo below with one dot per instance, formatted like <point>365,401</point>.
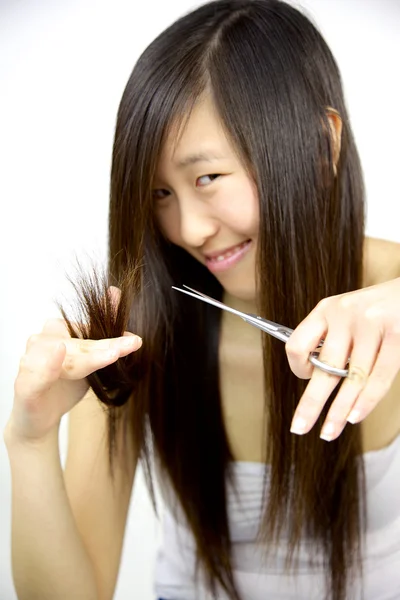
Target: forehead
<point>202,132</point>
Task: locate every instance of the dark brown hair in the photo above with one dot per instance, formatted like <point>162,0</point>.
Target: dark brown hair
<point>272,77</point>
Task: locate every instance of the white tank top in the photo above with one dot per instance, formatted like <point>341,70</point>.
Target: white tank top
<point>260,580</point>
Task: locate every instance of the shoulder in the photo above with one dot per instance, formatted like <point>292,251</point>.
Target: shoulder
<point>381,261</point>
<point>382,425</point>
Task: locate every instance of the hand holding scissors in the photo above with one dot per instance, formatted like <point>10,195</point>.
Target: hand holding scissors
<point>365,323</point>
<point>281,332</point>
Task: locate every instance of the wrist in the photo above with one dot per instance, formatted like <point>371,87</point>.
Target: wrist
<point>14,438</point>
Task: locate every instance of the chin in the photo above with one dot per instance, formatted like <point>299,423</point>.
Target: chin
<point>245,295</point>
<point>241,288</point>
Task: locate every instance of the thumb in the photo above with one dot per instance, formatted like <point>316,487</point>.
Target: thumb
<point>115,296</point>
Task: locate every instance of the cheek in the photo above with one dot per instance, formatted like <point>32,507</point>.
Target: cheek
<point>240,209</point>
<point>168,222</point>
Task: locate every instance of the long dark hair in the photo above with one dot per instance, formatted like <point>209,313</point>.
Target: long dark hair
<point>272,77</point>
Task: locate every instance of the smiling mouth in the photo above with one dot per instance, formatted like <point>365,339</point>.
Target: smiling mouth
<point>228,259</point>
<point>234,250</point>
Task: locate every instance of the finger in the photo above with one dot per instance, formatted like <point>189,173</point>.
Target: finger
<point>115,294</point>
<point>380,380</point>
<point>38,370</point>
<point>304,339</point>
<point>56,328</point>
<point>335,353</point>
<point>313,400</point>
<point>366,345</point>
<point>36,342</point>
<point>77,366</point>
<point>81,358</point>
<point>125,343</point>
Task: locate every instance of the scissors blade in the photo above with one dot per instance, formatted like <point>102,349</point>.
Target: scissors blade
<point>209,300</point>
<point>281,332</point>
<point>278,331</point>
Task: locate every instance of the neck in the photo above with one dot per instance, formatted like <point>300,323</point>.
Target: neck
<point>239,329</point>
<point>247,306</point>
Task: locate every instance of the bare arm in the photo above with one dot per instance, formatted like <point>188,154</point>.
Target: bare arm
<point>67,527</point>
<point>49,560</point>
<point>100,506</point>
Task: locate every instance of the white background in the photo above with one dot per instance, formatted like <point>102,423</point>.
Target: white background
<point>63,67</point>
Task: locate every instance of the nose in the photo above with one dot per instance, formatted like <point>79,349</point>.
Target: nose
<point>197,223</point>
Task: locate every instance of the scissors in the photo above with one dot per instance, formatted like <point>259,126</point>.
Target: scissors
<point>279,331</point>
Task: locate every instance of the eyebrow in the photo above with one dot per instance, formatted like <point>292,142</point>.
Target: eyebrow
<point>196,157</point>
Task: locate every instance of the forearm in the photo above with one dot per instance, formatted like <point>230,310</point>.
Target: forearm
<point>49,560</point>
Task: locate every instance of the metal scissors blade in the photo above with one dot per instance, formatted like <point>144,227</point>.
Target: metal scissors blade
<point>281,332</point>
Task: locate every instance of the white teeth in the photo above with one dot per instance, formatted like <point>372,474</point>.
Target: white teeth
<point>222,257</point>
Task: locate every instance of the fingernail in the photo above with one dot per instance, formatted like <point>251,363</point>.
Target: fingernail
<point>132,340</point>
<point>299,426</point>
<point>353,416</point>
<point>327,432</point>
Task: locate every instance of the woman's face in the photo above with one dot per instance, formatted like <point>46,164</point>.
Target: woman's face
<point>207,204</point>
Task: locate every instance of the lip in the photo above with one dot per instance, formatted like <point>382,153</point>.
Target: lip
<point>227,263</point>
<point>222,251</point>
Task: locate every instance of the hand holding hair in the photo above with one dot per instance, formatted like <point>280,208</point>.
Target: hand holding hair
<point>52,375</point>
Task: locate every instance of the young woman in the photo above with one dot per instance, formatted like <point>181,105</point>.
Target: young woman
<point>234,172</point>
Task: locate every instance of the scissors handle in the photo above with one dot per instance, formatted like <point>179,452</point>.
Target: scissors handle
<point>314,359</point>
<point>283,333</point>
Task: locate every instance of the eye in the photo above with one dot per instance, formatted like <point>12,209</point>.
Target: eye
<point>156,196</point>
<point>214,175</point>
<point>160,193</point>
